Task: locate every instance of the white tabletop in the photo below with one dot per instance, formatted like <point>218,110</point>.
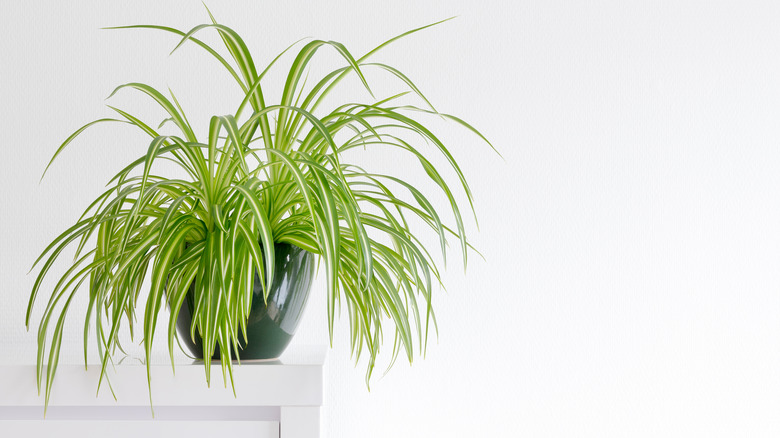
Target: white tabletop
<point>296,379</point>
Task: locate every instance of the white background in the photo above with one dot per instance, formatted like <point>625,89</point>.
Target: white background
<point>632,233</point>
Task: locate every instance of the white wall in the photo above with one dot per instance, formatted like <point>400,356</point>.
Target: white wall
<point>632,234</point>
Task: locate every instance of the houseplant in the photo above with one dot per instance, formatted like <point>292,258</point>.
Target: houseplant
<point>267,175</point>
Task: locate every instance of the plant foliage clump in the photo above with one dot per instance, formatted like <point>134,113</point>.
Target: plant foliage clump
<point>265,174</point>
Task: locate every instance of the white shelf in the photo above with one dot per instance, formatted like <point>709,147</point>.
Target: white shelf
<point>284,396</point>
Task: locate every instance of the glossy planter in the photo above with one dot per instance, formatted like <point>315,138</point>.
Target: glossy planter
<point>271,326</point>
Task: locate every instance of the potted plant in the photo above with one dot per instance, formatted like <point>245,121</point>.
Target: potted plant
<point>264,194</point>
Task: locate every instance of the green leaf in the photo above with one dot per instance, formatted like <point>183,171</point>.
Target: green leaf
<point>266,236</point>
<point>178,119</point>
<point>70,139</point>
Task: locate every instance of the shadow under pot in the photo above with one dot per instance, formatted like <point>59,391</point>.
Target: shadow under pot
<point>271,325</point>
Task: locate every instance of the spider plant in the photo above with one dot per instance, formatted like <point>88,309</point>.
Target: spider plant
<point>269,173</point>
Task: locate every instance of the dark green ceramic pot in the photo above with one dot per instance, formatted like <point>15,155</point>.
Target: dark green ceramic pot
<point>270,326</point>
